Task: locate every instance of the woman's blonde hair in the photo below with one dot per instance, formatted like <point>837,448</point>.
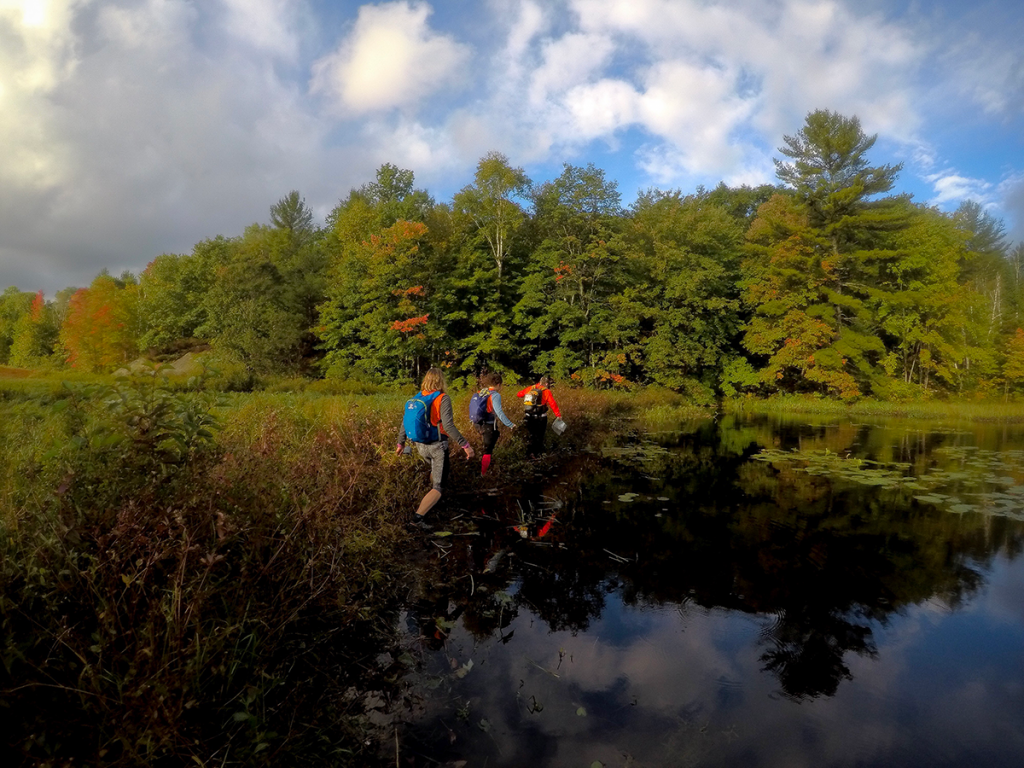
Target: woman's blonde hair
<point>434,380</point>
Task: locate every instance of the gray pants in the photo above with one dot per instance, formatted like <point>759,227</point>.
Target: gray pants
<point>437,455</point>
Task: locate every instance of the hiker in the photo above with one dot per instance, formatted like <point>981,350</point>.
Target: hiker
<point>537,398</point>
<point>484,410</point>
<point>428,424</point>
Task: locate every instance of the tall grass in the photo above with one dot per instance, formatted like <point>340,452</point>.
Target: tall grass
<point>952,409</point>
<point>188,576</point>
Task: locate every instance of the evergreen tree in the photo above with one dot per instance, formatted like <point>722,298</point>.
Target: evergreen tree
<point>839,239</point>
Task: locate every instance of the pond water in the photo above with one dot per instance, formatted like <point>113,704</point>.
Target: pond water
<point>750,592</point>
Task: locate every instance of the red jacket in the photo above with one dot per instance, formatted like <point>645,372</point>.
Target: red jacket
<point>546,398</point>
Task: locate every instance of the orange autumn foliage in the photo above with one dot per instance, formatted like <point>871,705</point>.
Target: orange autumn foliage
<point>98,332</point>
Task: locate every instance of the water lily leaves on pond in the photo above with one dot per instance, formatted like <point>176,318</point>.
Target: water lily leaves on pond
<point>627,497</point>
<point>930,499</point>
<point>876,480</point>
<point>961,508</point>
<point>581,712</point>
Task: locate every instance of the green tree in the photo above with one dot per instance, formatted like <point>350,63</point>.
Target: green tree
<point>792,330</point>
<point>692,246</point>
<point>250,310</point>
<point>926,317</point>
<point>490,203</point>
<point>1013,365</point>
<point>173,292</point>
<point>14,304</point>
<point>292,215</point>
<point>377,319</point>
<point>577,278</point>
<point>837,241</point>
<point>986,269</point>
<point>35,335</point>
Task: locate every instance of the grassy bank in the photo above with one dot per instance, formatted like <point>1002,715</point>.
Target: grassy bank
<point>193,576</point>
<point>961,410</point>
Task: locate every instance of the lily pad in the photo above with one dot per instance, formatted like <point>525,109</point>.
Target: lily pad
<point>961,508</point>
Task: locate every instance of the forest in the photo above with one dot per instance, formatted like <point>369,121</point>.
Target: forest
<point>829,282</point>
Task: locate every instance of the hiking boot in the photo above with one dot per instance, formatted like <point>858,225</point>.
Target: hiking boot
<point>420,523</point>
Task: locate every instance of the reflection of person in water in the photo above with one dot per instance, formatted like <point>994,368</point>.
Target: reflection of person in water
<point>536,522</point>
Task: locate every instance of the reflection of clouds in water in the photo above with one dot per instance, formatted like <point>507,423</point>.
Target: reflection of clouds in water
<point>1003,599</point>
<point>689,688</point>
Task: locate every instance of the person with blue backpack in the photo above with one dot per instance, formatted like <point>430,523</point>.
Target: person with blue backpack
<point>428,423</point>
<point>484,411</point>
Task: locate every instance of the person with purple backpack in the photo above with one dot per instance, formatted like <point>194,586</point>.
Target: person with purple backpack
<point>484,411</point>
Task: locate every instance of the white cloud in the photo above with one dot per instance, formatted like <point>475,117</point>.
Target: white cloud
<point>784,59</point>
<point>391,59</point>
<point>523,29</point>
<point>951,187</point>
<point>599,109</point>
<point>159,26</point>
<point>138,141</point>
<point>568,62</point>
<point>37,54</point>
<point>265,24</point>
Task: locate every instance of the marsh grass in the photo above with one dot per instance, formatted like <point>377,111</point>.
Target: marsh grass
<point>956,410</point>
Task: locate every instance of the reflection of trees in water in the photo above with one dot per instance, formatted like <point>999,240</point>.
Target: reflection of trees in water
<point>808,652</point>
<point>565,596</point>
<point>828,563</point>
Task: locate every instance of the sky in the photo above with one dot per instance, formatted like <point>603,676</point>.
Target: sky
<point>132,128</point>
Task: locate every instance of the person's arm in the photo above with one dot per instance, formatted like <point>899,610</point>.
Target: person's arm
<point>401,438</point>
<point>522,392</point>
<point>549,401</point>
<point>496,404</point>
<point>448,422</point>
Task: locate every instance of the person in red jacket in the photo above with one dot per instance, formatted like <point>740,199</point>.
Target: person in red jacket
<point>537,398</point>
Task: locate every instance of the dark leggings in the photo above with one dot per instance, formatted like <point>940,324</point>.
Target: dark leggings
<point>489,433</point>
<point>536,426</point>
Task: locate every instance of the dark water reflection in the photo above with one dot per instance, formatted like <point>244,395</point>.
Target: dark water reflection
<point>674,601</point>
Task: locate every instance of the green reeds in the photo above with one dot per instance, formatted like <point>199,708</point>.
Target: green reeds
<point>952,409</point>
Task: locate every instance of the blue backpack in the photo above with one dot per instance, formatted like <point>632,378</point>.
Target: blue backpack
<point>478,413</point>
<point>416,420</point>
